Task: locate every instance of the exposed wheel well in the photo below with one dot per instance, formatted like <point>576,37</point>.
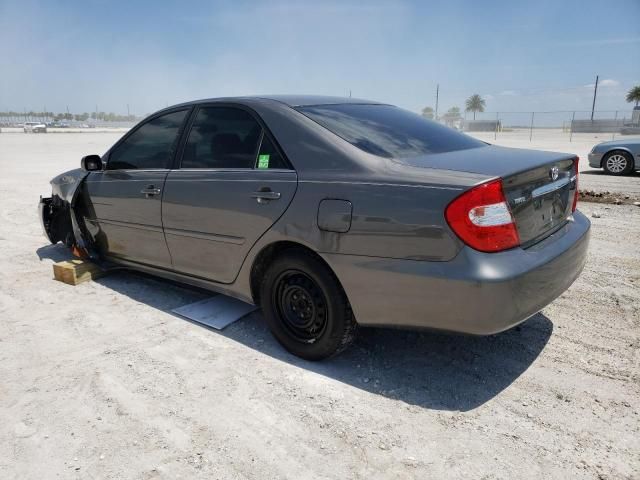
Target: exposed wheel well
<point>624,152</point>
<point>58,221</point>
<point>270,253</point>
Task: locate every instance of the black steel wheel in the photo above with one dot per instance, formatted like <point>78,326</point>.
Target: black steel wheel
<point>301,305</point>
<point>305,306</point>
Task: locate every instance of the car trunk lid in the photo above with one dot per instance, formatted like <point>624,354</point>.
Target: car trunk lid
<point>539,186</point>
<point>541,199</point>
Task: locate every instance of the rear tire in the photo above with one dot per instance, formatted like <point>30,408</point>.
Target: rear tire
<point>617,162</point>
<point>305,307</point>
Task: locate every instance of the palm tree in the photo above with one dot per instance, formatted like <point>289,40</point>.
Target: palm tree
<point>634,95</point>
<point>427,112</point>
<point>475,103</point>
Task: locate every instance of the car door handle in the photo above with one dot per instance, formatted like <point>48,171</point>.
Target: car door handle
<point>266,195</point>
<point>150,190</point>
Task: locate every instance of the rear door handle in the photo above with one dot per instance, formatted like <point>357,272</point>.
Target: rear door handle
<point>150,190</point>
<point>265,195</point>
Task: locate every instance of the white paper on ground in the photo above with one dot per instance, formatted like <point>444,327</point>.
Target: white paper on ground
<point>217,312</point>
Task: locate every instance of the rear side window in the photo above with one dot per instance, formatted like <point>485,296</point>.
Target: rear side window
<point>388,131</point>
<point>150,146</point>
<point>222,137</point>
<point>268,156</point>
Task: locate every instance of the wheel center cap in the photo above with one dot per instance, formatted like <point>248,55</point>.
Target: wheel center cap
<point>301,305</point>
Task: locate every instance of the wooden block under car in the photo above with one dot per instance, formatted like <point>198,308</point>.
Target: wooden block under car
<point>76,271</point>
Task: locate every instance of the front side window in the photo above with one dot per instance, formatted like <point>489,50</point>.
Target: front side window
<point>388,131</point>
<point>150,146</point>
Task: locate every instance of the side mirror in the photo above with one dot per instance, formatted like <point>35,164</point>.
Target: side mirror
<point>91,163</point>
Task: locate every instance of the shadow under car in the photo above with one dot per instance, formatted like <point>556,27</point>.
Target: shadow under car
<point>427,369</point>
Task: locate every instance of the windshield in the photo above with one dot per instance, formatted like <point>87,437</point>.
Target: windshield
<point>388,131</point>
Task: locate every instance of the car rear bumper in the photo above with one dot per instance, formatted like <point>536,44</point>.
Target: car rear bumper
<point>475,293</point>
<point>595,160</point>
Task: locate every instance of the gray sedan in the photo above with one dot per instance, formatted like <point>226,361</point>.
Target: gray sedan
<point>619,157</point>
<point>330,214</point>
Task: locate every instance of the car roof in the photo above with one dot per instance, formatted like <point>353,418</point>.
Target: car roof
<point>309,100</point>
<point>290,100</point>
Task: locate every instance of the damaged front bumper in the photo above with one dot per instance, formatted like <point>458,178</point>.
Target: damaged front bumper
<point>57,213</point>
<point>45,212</point>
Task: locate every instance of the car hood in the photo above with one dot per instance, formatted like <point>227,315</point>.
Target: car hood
<point>621,143</point>
<point>491,160</point>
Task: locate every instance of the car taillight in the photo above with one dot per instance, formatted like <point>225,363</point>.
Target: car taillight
<point>576,161</point>
<point>482,219</point>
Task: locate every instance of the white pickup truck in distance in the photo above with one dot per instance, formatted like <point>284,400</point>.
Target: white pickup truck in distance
<point>35,127</point>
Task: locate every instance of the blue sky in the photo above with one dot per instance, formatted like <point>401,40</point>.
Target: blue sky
<point>520,55</point>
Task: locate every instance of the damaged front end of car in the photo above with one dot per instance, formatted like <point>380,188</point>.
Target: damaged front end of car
<point>60,222</point>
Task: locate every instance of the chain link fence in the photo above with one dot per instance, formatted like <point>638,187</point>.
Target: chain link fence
<point>565,125</point>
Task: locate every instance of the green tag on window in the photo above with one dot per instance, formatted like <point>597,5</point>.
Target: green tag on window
<point>263,161</point>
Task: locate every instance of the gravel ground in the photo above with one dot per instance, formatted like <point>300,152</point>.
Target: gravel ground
<point>102,381</point>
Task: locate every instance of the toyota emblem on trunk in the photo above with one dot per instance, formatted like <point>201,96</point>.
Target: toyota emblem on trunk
<point>553,173</point>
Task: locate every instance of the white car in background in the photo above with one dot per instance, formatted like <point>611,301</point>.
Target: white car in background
<point>35,127</point>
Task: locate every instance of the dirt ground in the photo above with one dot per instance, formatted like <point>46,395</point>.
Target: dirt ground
<point>102,381</point>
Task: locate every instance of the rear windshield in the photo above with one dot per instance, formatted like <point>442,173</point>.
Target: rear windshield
<point>388,131</point>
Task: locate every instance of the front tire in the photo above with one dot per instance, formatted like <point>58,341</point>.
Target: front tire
<point>617,162</point>
<point>305,307</point>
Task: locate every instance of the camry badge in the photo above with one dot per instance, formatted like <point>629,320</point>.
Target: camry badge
<point>553,173</point>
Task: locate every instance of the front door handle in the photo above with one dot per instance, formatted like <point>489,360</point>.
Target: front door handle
<point>150,191</point>
<point>265,195</point>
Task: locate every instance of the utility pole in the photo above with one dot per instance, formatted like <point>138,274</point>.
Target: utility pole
<point>573,117</point>
<point>595,92</point>
<point>531,128</point>
<point>128,110</point>
<point>437,98</point>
